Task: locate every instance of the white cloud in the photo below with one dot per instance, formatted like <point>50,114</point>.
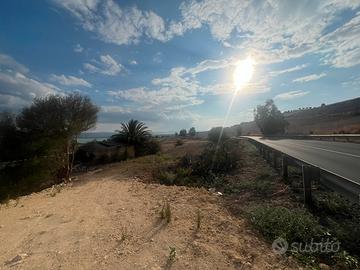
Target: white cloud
<point>18,89</point>
<point>8,62</point>
<point>291,95</point>
<point>272,31</point>
<point>276,31</point>
<point>114,24</point>
<point>69,80</point>
<point>133,62</point>
<point>343,44</point>
<point>312,77</point>
<point>181,89</point>
<point>91,68</point>
<point>78,48</point>
<point>292,69</point>
<point>112,67</point>
<point>106,65</point>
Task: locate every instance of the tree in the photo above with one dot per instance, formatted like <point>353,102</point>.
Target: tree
<point>192,132</point>
<point>182,133</point>
<point>53,124</point>
<point>269,119</point>
<point>10,143</point>
<point>132,133</point>
<point>217,134</point>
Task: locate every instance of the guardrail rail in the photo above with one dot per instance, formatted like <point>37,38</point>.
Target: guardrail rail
<point>310,174</point>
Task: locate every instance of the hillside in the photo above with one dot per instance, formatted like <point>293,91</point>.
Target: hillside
<point>340,117</point>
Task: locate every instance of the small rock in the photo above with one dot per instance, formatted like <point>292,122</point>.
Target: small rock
<point>16,260</point>
<point>219,193</point>
<point>212,190</point>
<point>324,266</point>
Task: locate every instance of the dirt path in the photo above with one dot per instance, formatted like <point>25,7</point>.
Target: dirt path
<point>113,222</point>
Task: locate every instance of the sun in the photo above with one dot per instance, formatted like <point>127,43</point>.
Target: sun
<point>243,72</point>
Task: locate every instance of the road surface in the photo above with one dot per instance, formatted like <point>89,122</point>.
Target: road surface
<point>337,157</point>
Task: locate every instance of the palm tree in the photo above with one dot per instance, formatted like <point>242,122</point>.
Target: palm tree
<point>132,133</point>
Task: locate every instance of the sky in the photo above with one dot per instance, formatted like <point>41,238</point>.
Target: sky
<point>171,63</point>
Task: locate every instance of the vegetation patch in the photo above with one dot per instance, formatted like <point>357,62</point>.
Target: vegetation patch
<point>293,225</point>
<point>263,185</point>
<point>206,169</point>
<point>165,212</point>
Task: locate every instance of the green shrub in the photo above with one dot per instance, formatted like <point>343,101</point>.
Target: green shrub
<point>217,159</point>
<point>164,176</point>
<point>345,261</point>
<point>214,135</point>
<point>179,142</point>
<point>295,225</point>
<point>332,203</point>
<point>147,147</point>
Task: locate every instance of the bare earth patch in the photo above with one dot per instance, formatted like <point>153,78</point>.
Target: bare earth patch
<point>109,219</point>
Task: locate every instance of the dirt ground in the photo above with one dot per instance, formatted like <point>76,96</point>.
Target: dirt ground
<point>109,219</point>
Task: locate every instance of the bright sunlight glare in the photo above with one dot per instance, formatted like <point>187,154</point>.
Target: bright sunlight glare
<point>243,72</point>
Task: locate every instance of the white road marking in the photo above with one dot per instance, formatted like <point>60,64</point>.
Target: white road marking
<point>332,151</point>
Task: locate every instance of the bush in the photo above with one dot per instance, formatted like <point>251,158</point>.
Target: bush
<point>203,170</point>
<point>333,204</point>
<point>164,176</point>
<point>148,147</point>
<point>179,142</point>
<point>217,159</point>
<point>295,225</point>
<point>214,135</point>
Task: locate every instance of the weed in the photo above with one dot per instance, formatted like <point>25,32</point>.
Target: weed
<point>295,225</point>
<point>346,261</point>
<point>165,212</point>
<point>165,176</point>
<point>54,190</point>
<point>172,255</point>
<point>259,187</point>
<point>124,235</point>
<point>333,204</point>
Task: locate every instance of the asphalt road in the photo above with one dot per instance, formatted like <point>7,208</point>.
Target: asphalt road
<point>337,157</point>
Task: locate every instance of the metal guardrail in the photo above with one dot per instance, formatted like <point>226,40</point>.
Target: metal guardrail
<point>354,138</point>
<point>310,173</point>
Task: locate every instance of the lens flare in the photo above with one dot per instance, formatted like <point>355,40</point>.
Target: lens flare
<point>243,72</point>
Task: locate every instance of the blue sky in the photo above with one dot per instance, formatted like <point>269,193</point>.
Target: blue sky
<point>171,63</point>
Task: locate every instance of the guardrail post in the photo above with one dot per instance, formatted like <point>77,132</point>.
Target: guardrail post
<point>307,175</point>
<point>275,160</point>
<point>284,166</point>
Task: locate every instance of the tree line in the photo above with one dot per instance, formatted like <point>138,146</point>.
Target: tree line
<point>184,133</point>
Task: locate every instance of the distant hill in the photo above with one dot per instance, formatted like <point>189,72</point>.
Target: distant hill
<point>340,117</point>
